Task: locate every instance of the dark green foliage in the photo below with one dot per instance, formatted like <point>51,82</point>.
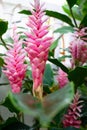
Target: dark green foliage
<point>78,75</point>
<point>64,29</point>
<point>59,64</point>
<point>71,3</point>
<point>48,76</point>
<point>59,16</point>
<point>3,27</point>
<point>44,111</point>
<point>13,124</point>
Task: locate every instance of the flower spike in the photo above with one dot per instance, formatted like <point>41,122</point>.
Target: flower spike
<point>15,68</point>
<point>62,78</point>
<point>38,44</point>
<point>78,47</point>
<point>74,113</point>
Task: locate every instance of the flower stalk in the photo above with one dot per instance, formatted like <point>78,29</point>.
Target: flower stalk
<point>37,46</point>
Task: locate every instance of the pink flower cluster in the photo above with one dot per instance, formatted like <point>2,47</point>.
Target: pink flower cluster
<point>72,117</point>
<point>78,47</point>
<point>62,78</point>
<point>38,42</point>
<point>15,67</point>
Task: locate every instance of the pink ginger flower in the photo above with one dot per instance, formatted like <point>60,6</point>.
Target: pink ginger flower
<point>74,113</point>
<point>38,43</point>
<point>78,47</point>
<point>15,67</point>
<point>62,78</point>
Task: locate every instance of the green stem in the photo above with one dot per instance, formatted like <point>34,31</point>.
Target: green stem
<point>3,43</point>
<point>73,17</point>
<point>1,84</point>
<point>20,117</point>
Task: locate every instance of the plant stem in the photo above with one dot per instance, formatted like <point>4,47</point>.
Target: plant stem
<point>73,17</point>
<point>3,43</point>
<point>20,117</point>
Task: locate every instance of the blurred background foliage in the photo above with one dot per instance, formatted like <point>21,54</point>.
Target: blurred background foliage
<point>49,113</point>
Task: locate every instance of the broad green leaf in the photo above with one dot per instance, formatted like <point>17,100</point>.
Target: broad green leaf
<point>9,40</point>
<point>78,75</point>
<point>59,64</point>
<point>64,29</point>
<point>76,11</point>
<point>83,6</point>
<point>84,21</point>
<point>71,2</point>
<point>48,76</point>
<point>1,62</point>
<point>83,90</point>
<point>2,54</point>
<point>3,27</point>
<point>56,101</point>
<point>13,124</point>
<point>51,105</point>
<point>54,44</point>
<point>64,57</point>
<point>27,12</point>
<point>71,128</point>
<point>59,16</point>
<point>8,104</point>
<point>25,103</point>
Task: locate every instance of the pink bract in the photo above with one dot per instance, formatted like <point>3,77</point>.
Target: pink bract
<point>38,43</point>
<point>15,68</point>
<point>78,47</point>
<point>74,113</point>
<point>62,78</point>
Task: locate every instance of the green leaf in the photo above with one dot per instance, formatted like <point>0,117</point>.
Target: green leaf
<point>25,103</point>
<point>76,11</point>
<point>64,57</point>
<point>51,105</point>
<point>48,73</point>
<point>68,128</point>
<point>54,44</point>
<point>56,101</point>
<point>2,54</point>
<point>59,64</point>
<point>8,104</point>
<point>71,128</point>
<point>59,16</point>
<point>1,62</point>
<point>83,6</point>
<point>84,21</point>
<point>3,27</point>
<point>13,124</point>
<point>83,90</point>
<point>27,12</point>
<point>78,75</point>
<point>64,29</point>
<point>71,2</point>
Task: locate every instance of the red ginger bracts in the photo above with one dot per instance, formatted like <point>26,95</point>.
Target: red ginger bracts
<point>38,43</point>
<point>73,115</point>
<point>15,67</point>
<point>62,78</point>
<point>78,47</point>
